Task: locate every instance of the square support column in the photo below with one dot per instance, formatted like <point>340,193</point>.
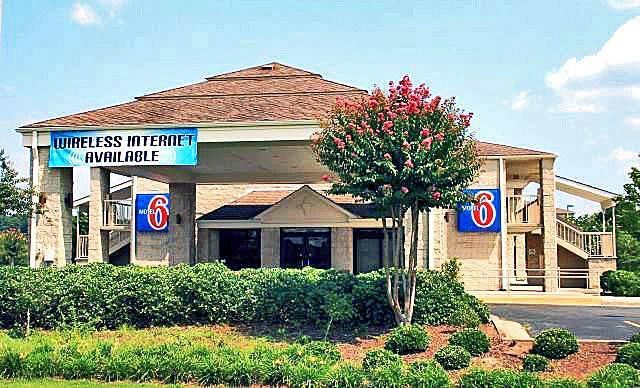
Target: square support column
<point>548,220</point>
<point>342,249</point>
<point>99,186</point>
<point>182,223</point>
<point>270,247</point>
<point>54,227</point>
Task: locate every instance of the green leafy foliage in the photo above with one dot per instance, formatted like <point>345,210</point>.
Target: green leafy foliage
<point>105,296</point>
<point>535,363</point>
<point>13,248</point>
<point>14,190</point>
<point>500,378</point>
<point>453,357</point>
<point>407,339</point>
<point>555,343</point>
<point>615,376</point>
<point>621,283</point>
<point>635,338</point>
<point>629,354</point>
<point>380,359</point>
<point>475,341</point>
<point>427,374</point>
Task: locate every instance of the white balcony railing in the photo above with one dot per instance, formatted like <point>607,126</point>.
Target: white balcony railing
<point>595,244</point>
<point>117,212</point>
<point>82,246</point>
<point>523,209</point>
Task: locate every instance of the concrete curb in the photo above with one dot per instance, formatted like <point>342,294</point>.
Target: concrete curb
<point>556,299</point>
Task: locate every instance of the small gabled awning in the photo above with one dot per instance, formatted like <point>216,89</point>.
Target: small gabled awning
<point>605,198</point>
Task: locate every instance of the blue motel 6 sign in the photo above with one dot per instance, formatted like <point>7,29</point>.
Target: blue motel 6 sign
<point>482,215</point>
<point>152,212</point>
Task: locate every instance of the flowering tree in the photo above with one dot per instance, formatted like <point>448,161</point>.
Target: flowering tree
<point>403,151</point>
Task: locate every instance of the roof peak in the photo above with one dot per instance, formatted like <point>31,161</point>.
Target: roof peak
<point>267,70</point>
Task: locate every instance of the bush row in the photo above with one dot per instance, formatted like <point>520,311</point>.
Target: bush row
<point>299,365</point>
<point>106,296</point>
<point>620,283</point>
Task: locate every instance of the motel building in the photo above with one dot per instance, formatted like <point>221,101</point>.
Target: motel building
<point>222,170</point>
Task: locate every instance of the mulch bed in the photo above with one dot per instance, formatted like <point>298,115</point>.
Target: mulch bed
<point>591,356</point>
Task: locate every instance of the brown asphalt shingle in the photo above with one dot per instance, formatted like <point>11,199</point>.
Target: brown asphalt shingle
<point>271,92</point>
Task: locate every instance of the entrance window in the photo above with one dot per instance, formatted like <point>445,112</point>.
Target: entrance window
<point>367,249</point>
<point>240,248</point>
<point>302,247</point>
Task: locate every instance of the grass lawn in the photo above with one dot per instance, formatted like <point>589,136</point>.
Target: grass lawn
<point>51,383</point>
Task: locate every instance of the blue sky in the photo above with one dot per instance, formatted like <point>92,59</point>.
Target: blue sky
<point>557,76</point>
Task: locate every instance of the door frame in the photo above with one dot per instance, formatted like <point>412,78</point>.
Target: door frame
<point>305,233</point>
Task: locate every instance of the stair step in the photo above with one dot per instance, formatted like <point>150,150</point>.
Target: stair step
<point>525,287</point>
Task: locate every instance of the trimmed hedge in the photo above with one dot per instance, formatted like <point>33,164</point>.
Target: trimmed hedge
<point>535,363</point>
<point>500,378</point>
<point>615,375</point>
<point>105,296</point>
<point>555,343</point>
<point>407,339</point>
<point>629,354</point>
<point>453,357</point>
<point>475,341</point>
<point>621,283</point>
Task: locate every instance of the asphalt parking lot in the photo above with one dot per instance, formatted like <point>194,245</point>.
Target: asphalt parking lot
<point>597,322</point>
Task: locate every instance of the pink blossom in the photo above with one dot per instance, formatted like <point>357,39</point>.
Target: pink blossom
<point>425,132</point>
<point>426,143</point>
<point>326,177</point>
<point>404,190</point>
<point>408,163</point>
<point>439,137</point>
<point>387,125</point>
<point>406,145</point>
<point>348,137</point>
<point>436,195</point>
<point>387,156</point>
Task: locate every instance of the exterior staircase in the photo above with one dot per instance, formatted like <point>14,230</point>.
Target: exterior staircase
<point>584,244</point>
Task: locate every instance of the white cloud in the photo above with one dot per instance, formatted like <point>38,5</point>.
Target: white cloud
<point>589,83</point>
<point>620,51</point>
<point>622,155</point>
<point>520,101</point>
<point>84,14</point>
<point>633,121</point>
<point>113,7</point>
<point>623,4</point>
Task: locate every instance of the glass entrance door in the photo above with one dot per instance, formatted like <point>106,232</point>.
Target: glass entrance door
<point>302,247</point>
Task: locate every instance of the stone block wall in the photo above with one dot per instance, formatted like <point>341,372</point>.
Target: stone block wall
<point>182,228</point>
<point>54,227</point>
<point>270,247</point>
<point>342,249</point>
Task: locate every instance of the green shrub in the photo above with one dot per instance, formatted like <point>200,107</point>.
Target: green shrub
<point>345,376</point>
<point>453,357</point>
<point>563,383</point>
<point>427,374</point>
<point>623,283</point>
<point>535,363</point>
<point>322,349</point>
<point>105,296</point>
<point>466,316</point>
<point>635,338</point>
<point>475,341</point>
<point>380,359</point>
<point>614,376</point>
<point>500,378</point>
<point>389,377</point>
<point>555,343</point>
<point>407,339</point>
<point>10,363</point>
<point>629,354</point>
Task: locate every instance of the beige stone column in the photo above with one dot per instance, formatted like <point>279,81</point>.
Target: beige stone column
<point>548,220</point>
<point>208,245</point>
<point>99,185</point>
<point>270,247</point>
<point>342,249</point>
<point>54,227</point>
<point>182,223</point>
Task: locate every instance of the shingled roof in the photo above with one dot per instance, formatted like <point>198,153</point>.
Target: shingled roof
<point>269,92</point>
<point>255,202</point>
